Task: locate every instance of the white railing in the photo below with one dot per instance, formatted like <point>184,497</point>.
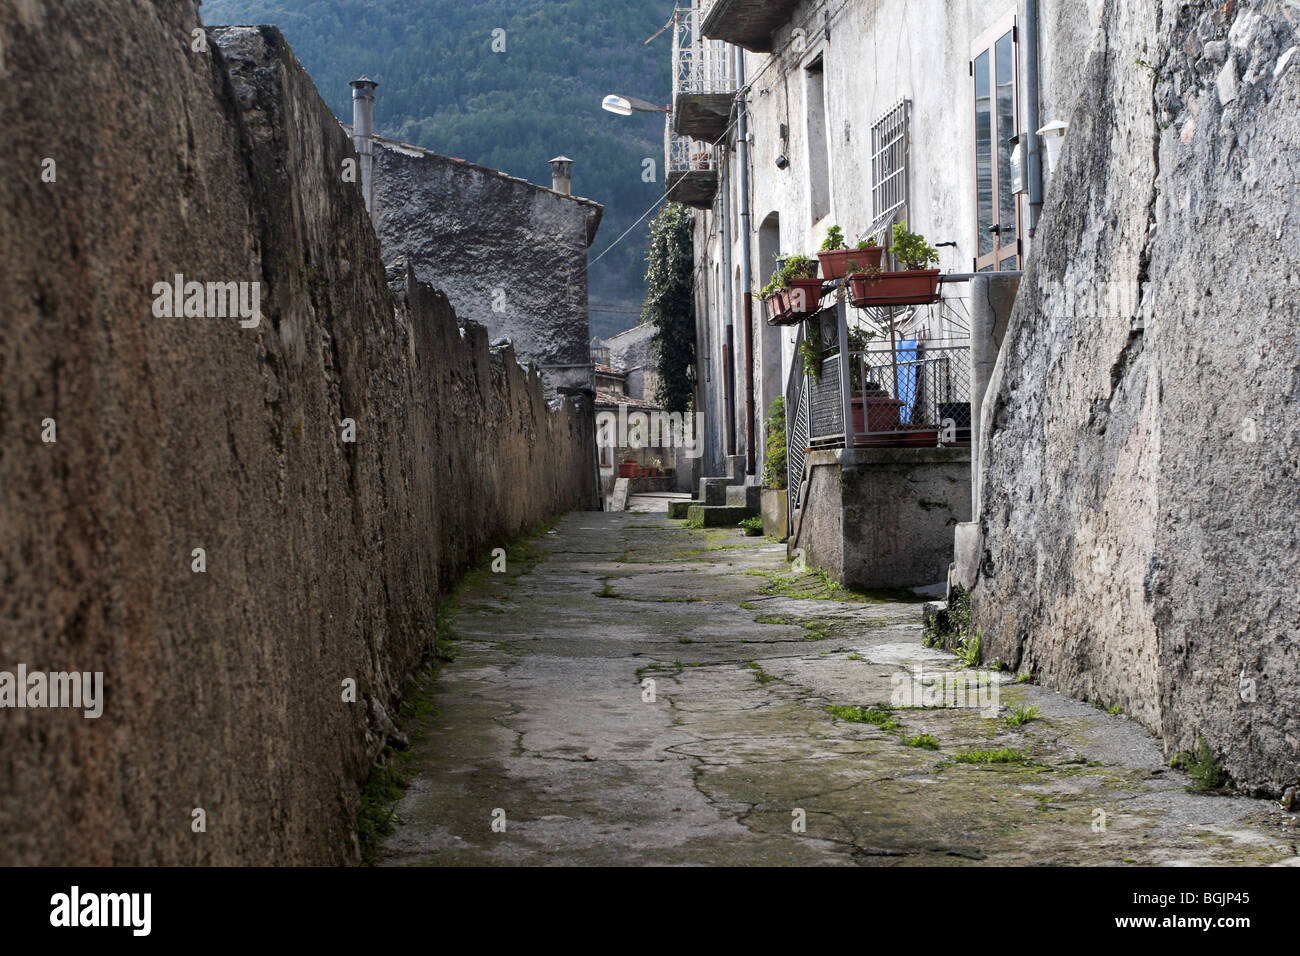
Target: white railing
<point>699,65</point>
<point>685,155</point>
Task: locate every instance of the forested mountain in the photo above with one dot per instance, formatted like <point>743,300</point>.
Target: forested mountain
<point>443,87</point>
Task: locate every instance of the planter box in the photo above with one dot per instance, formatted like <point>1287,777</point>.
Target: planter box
<point>778,311</point>
<point>877,415</point>
<point>627,469</point>
<point>835,265</point>
<point>804,297</point>
<point>895,288</point>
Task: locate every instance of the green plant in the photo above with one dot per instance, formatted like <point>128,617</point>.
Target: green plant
<point>753,526</point>
<point>834,240</point>
<point>911,249</point>
<point>1024,678</point>
<point>923,741</point>
<point>1021,715</point>
<point>1206,773</point>
<point>670,305</point>
<point>877,715</point>
<point>868,242</point>
<point>774,463</point>
<point>813,352</point>
<point>795,267</point>
<point>968,649</point>
<point>1003,756</point>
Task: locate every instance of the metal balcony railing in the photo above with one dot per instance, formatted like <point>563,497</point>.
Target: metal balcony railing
<point>699,65</point>
<point>685,155</point>
<point>916,393</point>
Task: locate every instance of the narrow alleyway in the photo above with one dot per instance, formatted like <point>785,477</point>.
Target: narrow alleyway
<point>542,716</point>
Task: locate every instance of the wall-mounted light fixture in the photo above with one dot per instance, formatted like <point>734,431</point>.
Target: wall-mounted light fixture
<point>1054,135</point>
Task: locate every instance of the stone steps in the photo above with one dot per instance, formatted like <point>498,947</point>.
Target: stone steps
<point>718,516</point>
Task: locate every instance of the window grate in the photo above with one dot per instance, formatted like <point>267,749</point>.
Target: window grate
<point>890,162</point>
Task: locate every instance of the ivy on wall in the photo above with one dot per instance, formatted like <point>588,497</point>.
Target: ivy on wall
<point>670,305</point>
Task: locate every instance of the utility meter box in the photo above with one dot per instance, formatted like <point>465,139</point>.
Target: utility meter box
<point>1018,184</point>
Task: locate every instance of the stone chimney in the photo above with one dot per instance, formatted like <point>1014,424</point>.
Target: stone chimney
<point>363,135</point>
<point>562,175</point>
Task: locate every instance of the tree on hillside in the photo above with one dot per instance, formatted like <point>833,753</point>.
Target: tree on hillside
<point>670,305</point>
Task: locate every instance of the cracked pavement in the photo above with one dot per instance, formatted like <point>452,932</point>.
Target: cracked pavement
<point>541,716</point>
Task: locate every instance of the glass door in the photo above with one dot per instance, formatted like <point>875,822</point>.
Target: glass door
<point>995,70</point>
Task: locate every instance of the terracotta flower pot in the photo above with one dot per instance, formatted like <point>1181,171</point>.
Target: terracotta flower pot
<point>627,469</point>
<point>804,297</point>
<point>778,311</point>
<point>919,287</point>
<point>835,265</point>
<point>878,418</point>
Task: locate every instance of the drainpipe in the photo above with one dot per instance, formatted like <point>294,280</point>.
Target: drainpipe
<point>363,135</point>
<point>727,311</point>
<point>1033,116</point>
<point>746,283</point>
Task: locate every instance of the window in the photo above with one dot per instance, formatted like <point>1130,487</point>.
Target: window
<point>889,166</point>
<point>994,69</point>
<point>819,172</point>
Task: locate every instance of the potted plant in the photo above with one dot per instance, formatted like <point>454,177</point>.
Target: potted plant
<point>803,289</point>
<point>627,467</point>
<point>836,256</point>
<point>917,284</point>
<point>794,291</point>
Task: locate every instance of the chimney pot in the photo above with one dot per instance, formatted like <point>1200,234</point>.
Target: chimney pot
<point>562,175</point>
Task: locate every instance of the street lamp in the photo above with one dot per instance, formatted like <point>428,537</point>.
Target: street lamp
<point>627,105</point>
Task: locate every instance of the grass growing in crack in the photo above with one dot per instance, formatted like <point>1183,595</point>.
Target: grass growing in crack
<point>922,741</point>
<point>1024,678</point>
<point>1208,776</point>
<point>760,675</point>
<point>1021,715</point>
<point>877,715</point>
<point>815,630</point>
<point>1004,756</point>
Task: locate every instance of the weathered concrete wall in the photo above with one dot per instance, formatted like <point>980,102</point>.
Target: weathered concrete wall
<point>509,255</point>
<point>324,559</point>
<point>885,518</point>
<point>1140,471</point>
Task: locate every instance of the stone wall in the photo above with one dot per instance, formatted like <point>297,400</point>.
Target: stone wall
<point>509,254</point>
<point>1141,469</point>
<point>324,559</point>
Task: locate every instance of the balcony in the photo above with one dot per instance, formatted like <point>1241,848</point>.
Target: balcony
<point>704,81</point>
<point>747,23</point>
<point>692,169</point>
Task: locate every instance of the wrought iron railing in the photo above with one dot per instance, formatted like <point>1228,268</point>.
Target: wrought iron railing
<point>682,154</point>
<point>699,65</point>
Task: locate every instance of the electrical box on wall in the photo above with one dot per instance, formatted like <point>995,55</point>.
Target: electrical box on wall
<point>1018,184</point>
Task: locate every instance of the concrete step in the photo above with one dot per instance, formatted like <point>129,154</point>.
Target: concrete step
<point>745,496</point>
<point>717,516</point>
<point>713,491</point>
<point>677,509</point>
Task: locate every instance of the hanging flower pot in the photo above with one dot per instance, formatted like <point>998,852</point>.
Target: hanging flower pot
<point>778,309</point>
<point>803,297</point>
<point>913,287</point>
<point>835,264</point>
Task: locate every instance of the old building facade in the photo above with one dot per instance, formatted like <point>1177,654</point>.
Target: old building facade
<point>1067,160</point>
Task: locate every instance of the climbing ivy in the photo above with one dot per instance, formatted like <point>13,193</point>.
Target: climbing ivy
<point>670,305</point>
